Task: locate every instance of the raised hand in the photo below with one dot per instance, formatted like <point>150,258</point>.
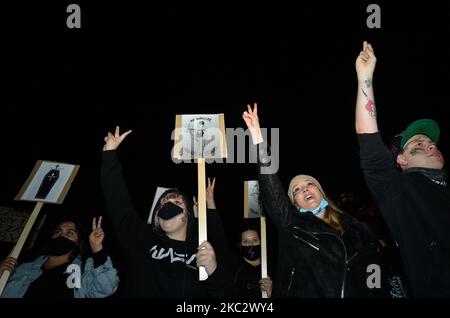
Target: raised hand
<point>206,257</point>
<point>97,235</point>
<point>113,141</point>
<point>252,121</point>
<point>365,62</point>
<point>210,204</point>
<point>195,206</point>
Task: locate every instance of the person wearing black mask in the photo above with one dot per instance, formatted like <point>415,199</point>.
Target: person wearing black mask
<point>247,276</point>
<point>163,258</point>
<point>54,273</point>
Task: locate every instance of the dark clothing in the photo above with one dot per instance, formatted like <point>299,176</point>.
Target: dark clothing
<point>397,284</point>
<point>314,259</point>
<point>157,265</point>
<point>246,281</point>
<point>51,284</point>
<point>99,258</point>
<point>417,212</point>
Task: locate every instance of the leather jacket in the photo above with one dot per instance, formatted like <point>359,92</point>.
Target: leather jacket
<point>314,259</point>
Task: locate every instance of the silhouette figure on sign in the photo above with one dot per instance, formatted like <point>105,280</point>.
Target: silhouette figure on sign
<point>254,201</point>
<point>47,183</point>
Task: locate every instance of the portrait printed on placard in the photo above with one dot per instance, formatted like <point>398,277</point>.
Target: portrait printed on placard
<point>200,136</point>
<point>49,182</point>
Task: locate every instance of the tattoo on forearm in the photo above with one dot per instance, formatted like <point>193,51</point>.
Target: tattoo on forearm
<point>364,93</point>
<point>368,83</point>
<point>370,105</point>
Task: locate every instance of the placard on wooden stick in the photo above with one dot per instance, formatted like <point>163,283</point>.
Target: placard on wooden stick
<point>253,209</point>
<point>48,182</point>
<point>200,137</point>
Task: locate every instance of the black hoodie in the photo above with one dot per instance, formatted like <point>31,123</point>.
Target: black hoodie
<point>157,265</point>
<point>417,212</point>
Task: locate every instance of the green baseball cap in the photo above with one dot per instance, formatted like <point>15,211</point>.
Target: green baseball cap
<point>427,127</point>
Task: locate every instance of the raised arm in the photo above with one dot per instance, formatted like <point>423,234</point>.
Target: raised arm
<point>125,221</point>
<point>376,160</point>
<point>366,113</point>
<point>273,196</point>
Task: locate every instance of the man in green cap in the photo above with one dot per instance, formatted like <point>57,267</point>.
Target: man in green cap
<point>411,191</point>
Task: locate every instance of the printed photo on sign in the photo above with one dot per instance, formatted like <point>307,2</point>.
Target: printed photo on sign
<point>252,201</point>
<point>49,182</point>
<point>200,136</point>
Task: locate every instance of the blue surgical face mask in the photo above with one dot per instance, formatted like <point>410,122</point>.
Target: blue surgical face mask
<point>317,210</point>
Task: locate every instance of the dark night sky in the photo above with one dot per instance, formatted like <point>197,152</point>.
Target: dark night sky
<point>138,66</point>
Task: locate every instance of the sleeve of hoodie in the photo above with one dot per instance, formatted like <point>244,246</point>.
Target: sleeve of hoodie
<point>219,284</point>
<point>378,167</point>
<point>274,198</point>
<point>126,223</point>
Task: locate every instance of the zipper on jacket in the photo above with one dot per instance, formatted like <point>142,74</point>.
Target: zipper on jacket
<point>291,278</point>
<point>345,259</point>
<point>299,238</point>
<point>309,233</point>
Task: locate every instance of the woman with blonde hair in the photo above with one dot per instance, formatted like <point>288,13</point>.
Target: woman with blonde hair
<point>323,252</point>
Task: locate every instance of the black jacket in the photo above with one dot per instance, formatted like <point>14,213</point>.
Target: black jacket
<point>314,259</point>
<point>246,281</point>
<point>157,265</point>
<point>417,212</point>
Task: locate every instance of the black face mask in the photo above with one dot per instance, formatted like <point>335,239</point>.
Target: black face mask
<point>169,210</point>
<point>251,253</point>
<point>60,245</point>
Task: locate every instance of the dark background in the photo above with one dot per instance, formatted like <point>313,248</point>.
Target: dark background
<point>137,66</point>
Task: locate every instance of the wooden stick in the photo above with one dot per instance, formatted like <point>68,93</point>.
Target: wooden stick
<point>19,245</point>
<point>245,199</point>
<point>263,253</point>
<point>202,225</point>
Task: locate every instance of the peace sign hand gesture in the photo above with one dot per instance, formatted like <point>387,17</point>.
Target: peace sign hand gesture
<point>210,203</point>
<point>113,141</point>
<point>97,235</point>
<point>252,121</point>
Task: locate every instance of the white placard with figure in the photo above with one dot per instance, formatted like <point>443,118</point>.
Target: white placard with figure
<point>49,182</point>
<point>252,202</point>
<point>200,136</point>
